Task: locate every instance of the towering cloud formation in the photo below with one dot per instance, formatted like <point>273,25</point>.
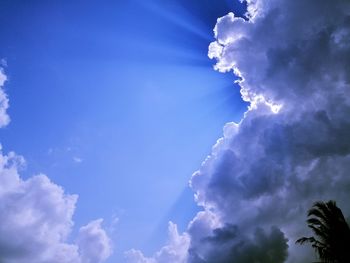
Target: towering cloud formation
<point>36,216</point>
<point>292,146</point>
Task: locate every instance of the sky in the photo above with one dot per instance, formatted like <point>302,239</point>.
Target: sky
<point>170,131</point>
<point>118,103</point>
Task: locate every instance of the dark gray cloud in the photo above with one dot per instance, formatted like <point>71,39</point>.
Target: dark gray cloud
<point>228,245</point>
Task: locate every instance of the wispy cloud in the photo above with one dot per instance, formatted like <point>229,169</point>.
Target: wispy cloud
<point>4,101</point>
<point>77,159</point>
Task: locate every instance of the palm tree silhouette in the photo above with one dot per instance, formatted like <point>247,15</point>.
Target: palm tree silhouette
<point>332,233</point>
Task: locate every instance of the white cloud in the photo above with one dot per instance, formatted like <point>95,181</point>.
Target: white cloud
<point>94,244</point>
<point>36,216</point>
<point>175,251</point>
<point>136,256</point>
<point>36,220</point>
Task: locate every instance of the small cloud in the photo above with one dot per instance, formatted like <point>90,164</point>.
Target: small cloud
<point>4,101</point>
<point>50,151</point>
<point>3,62</point>
<point>113,225</point>
<point>77,159</point>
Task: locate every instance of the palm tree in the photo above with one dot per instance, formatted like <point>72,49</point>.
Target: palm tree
<point>332,233</point>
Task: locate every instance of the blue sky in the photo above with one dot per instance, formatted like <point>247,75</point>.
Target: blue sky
<point>117,102</point>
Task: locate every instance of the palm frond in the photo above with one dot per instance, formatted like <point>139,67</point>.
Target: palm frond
<point>332,233</point>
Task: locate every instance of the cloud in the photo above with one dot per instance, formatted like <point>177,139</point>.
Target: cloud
<point>94,244</point>
<point>36,216</point>
<point>227,244</point>
<point>4,101</point>
<point>175,251</point>
<point>36,220</point>
<point>291,148</point>
<point>77,159</point>
<point>269,168</point>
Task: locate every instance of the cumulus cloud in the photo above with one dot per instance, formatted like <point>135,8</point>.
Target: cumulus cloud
<point>36,216</point>
<point>94,244</point>
<point>268,169</point>
<point>36,220</point>
<point>291,148</point>
<point>175,251</point>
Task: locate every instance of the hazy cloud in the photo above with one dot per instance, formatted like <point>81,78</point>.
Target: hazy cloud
<point>77,159</point>
<point>4,101</point>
